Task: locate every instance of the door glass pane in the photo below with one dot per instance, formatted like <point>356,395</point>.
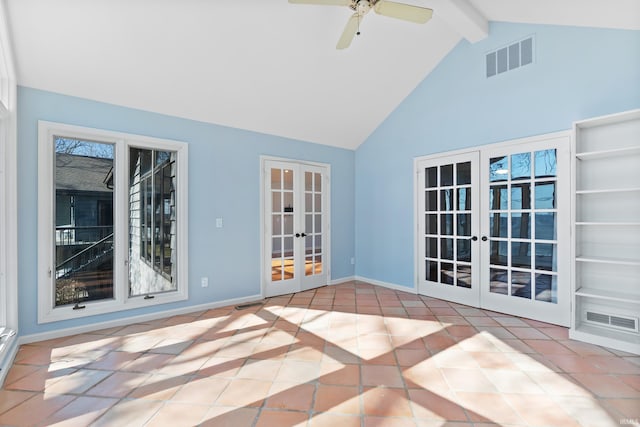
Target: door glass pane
<point>431,201</point>
<point>499,169</point>
<point>521,284</point>
<point>318,182</point>
<point>446,224</point>
<point>463,276</point>
<point>546,226</point>
<point>431,177</point>
<point>288,224</point>
<point>521,196</point>
<point>498,197</point>
<point>520,226</point>
<point>308,223</point>
<point>521,254</point>
<point>308,202</point>
<point>446,273</point>
<point>498,281</point>
<point>464,199</point>
<point>431,270</point>
<point>463,250</point>
<point>287,201</point>
<point>446,200</point>
<point>287,178</point>
<point>463,173</point>
<point>446,175</point>
<point>464,224</point>
<point>276,225</point>
<point>431,224</point>
<point>308,181</point>
<point>498,225</point>
<point>318,203</point>
<point>318,224</point>
<point>545,195</point>
<point>521,166</point>
<point>276,179</point>
<point>276,203</point>
<point>547,288</point>
<point>308,244</point>
<point>545,163</point>
<point>546,256</point>
<point>317,267</point>
<point>498,252</point>
<point>431,247</point>
<point>84,239</point>
<point>446,249</point>
<point>152,245</point>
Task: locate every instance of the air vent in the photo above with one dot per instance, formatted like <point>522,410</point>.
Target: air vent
<point>508,58</point>
<point>629,324</point>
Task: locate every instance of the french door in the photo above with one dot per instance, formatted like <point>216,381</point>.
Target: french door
<point>494,228</point>
<point>296,226</point>
<point>448,228</point>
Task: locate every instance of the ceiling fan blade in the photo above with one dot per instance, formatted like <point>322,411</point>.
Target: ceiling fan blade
<point>323,2</point>
<point>349,32</point>
<point>406,12</point>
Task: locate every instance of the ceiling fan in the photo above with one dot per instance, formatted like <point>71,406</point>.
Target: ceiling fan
<point>406,12</point>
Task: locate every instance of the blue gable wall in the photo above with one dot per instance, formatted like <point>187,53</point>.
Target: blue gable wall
<point>577,73</point>
<point>224,181</point>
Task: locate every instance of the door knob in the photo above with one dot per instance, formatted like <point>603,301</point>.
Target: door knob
<point>484,238</point>
<point>474,238</point>
<point>303,234</point>
<point>297,234</point>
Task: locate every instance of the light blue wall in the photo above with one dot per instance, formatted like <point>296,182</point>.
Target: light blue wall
<point>224,181</point>
<point>578,73</point>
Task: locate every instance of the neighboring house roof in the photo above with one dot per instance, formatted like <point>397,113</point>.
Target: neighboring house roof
<point>80,173</point>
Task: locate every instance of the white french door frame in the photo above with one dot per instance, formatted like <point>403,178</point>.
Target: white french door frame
<point>562,140</point>
<point>452,292</point>
<point>559,312</point>
<point>265,267</point>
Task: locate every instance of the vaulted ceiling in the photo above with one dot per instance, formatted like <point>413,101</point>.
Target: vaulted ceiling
<point>262,65</point>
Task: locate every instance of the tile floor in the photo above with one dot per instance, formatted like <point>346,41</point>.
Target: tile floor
<point>346,355</point>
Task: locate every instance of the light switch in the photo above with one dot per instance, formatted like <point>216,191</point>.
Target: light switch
<point>218,222</point>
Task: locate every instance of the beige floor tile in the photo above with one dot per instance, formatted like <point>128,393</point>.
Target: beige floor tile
<point>347,355</point>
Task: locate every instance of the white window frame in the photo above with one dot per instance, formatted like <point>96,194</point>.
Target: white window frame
<point>47,312</point>
<point>8,200</point>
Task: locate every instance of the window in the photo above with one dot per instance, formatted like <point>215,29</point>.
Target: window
<point>112,221</point>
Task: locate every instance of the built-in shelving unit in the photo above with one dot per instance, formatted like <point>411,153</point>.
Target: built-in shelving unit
<point>606,231</point>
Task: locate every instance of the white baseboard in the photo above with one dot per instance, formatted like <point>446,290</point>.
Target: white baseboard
<point>387,285</point>
<point>8,352</point>
<point>26,339</point>
<point>341,280</point>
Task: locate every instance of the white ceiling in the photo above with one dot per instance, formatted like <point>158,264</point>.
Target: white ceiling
<point>262,65</point>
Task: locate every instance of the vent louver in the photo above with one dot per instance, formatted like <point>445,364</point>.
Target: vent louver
<point>629,324</point>
<point>510,57</point>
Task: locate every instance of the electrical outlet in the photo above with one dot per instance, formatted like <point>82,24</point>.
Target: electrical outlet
<point>204,281</point>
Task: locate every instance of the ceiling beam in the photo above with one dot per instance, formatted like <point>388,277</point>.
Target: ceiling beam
<point>464,18</point>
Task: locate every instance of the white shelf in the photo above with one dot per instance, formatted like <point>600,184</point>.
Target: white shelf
<point>608,153</point>
<point>610,190</point>
<point>608,295</point>
<point>606,260</point>
<point>606,203</point>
